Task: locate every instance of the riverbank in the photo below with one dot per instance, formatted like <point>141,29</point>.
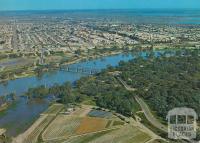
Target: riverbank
<point>31,72</point>
<point>4,107</point>
<point>34,109</point>
<point>80,123</point>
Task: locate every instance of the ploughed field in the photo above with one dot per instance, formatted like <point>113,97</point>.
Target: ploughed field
<point>78,123</point>
<point>33,136</point>
<point>84,125</point>
<point>62,126</point>
<point>91,124</point>
<point>125,134</point>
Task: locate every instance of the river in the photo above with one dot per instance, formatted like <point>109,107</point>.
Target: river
<point>21,115</point>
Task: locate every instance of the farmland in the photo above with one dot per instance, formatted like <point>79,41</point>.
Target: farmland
<point>54,109</point>
<point>33,133</point>
<point>62,126</point>
<point>101,114</point>
<point>77,123</point>
<point>55,126</point>
<point>90,124</point>
<point>82,112</point>
<point>126,134</point>
<point>33,136</point>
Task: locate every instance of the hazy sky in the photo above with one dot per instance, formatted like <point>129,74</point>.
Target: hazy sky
<point>96,4</point>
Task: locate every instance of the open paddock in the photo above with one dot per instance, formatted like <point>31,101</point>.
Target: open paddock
<point>33,137</point>
<point>62,126</point>
<point>82,111</point>
<point>90,124</point>
<point>126,134</point>
<point>54,109</point>
<point>33,133</point>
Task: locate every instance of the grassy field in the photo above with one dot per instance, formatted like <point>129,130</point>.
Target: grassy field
<point>150,126</point>
<point>91,124</point>
<point>65,126</point>
<point>160,141</point>
<point>33,137</point>
<point>79,127</point>
<point>78,123</point>
<point>62,126</point>
<point>88,138</point>
<point>126,134</point>
<point>54,109</point>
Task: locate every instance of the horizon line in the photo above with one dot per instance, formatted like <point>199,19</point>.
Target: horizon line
<point>93,9</point>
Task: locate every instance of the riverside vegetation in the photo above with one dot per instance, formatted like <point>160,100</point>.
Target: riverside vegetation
<point>163,81</point>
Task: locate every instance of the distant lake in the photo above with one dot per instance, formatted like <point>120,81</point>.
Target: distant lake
<point>148,16</point>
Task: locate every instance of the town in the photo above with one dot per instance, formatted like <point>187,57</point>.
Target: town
<point>30,36</point>
<point>26,42</point>
<point>87,77</point>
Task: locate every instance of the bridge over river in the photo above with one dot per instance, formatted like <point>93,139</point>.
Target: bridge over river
<point>84,70</point>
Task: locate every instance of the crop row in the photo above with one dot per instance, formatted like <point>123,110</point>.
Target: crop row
<point>62,126</point>
<point>33,137</point>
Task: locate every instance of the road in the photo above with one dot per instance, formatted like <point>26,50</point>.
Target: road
<point>150,117</point>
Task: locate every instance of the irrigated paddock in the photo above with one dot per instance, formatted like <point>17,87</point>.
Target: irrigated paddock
<point>62,126</point>
<point>33,136</point>
<point>90,124</point>
<point>78,127</point>
<point>66,126</point>
<point>126,134</point>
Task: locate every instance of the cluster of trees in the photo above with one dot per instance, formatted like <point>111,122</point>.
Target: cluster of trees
<point>118,100</point>
<point>38,92</point>
<point>166,82</point>
<point>108,93</point>
<point>7,98</point>
<point>62,93</point>
<point>103,89</point>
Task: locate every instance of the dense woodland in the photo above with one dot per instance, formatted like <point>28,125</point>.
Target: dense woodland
<point>164,82</point>
<point>103,90</point>
<point>108,93</point>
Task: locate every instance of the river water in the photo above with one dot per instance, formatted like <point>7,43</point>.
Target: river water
<point>22,114</point>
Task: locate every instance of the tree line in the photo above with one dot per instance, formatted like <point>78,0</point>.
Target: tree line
<point>166,82</point>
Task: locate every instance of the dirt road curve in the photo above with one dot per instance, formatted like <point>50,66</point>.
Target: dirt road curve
<point>150,117</point>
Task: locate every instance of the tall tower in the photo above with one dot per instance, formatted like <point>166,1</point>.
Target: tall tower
<point>42,57</point>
